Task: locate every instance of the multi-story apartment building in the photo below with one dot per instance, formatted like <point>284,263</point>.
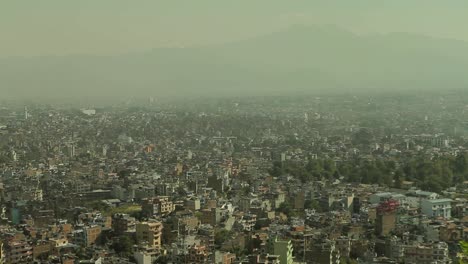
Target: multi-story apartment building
<point>149,233</point>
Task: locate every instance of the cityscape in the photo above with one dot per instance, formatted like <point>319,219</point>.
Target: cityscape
<point>233,132</point>
<point>330,179</point>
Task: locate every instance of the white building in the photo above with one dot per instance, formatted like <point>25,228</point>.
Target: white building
<point>142,258</point>
<point>416,197</point>
<point>437,208</point>
<point>89,112</point>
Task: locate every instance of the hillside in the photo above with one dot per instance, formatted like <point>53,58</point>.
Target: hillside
<point>300,59</point>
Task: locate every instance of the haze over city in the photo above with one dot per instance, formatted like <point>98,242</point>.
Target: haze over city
<point>60,49</point>
<point>233,132</point>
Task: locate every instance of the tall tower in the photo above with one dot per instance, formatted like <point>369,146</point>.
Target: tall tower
<point>71,149</point>
<point>26,113</point>
<point>104,150</point>
<point>14,155</point>
<point>38,192</point>
<point>386,217</point>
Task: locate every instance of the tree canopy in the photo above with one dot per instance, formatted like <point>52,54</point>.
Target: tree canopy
<point>432,174</point>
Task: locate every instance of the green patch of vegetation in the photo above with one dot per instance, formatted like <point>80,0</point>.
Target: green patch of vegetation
<point>130,209</point>
<point>287,209</point>
<point>436,174</point>
<point>123,246</point>
<point>222,236</point>
<point>464,252</point>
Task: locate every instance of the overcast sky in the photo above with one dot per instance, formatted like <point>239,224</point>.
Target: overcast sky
<point>59,27</point>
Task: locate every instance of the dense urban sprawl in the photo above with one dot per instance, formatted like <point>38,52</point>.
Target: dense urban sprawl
<point>329,179</point>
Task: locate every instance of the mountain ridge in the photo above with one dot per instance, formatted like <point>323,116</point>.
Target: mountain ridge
<point>300,59</point>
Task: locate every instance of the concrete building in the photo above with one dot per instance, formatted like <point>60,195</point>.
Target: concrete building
<point>142,191</point>
<point>394,248</point>
<point>142,258</point>
<point>244,204</point>
<point>122,223</point>
<point>87,236</point>
<point>299,200</point>
<point>89,112</point>
<point>437,208</point>
<point>198,254</point>
<point>385,223</point>
<point>211,217</point>
<point>157,206</point>
<point>248,222</point>
<point>323,252</point>
<point>192,204</point>
<point>384,196</point>
<point>415,198</point>
<point>427,254</point>
<point>18,252</point>
<point>42,248</point>
<point>386,217</point>
<point>262,259</point>
<point>81,187</point>
<point>284,249</point>
<point>149,233</point>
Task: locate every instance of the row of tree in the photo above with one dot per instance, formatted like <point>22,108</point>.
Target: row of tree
<point>432,174</point>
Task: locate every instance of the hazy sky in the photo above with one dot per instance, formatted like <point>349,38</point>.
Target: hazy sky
<point>58,27</point>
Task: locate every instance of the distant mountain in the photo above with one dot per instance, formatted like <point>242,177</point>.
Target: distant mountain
<point>298,60</point>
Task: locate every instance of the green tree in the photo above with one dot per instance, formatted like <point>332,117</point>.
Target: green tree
<point>222,236</point>
<point>4,158</point>
<point>277,169</point>
<point>461,163</point>
<point>312,204</point>
<point>463,258</point>
<point>329,166</point>
<point>362,137</point>
<point>398,178</point>
<point>123,246</point>
<point>161,260</point>
<point>285,208</point>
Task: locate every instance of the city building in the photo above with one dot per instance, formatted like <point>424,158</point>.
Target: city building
<point>427,253</point>
<point>149,233</point>
<point>284,249</point>
<point>437,208</point>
